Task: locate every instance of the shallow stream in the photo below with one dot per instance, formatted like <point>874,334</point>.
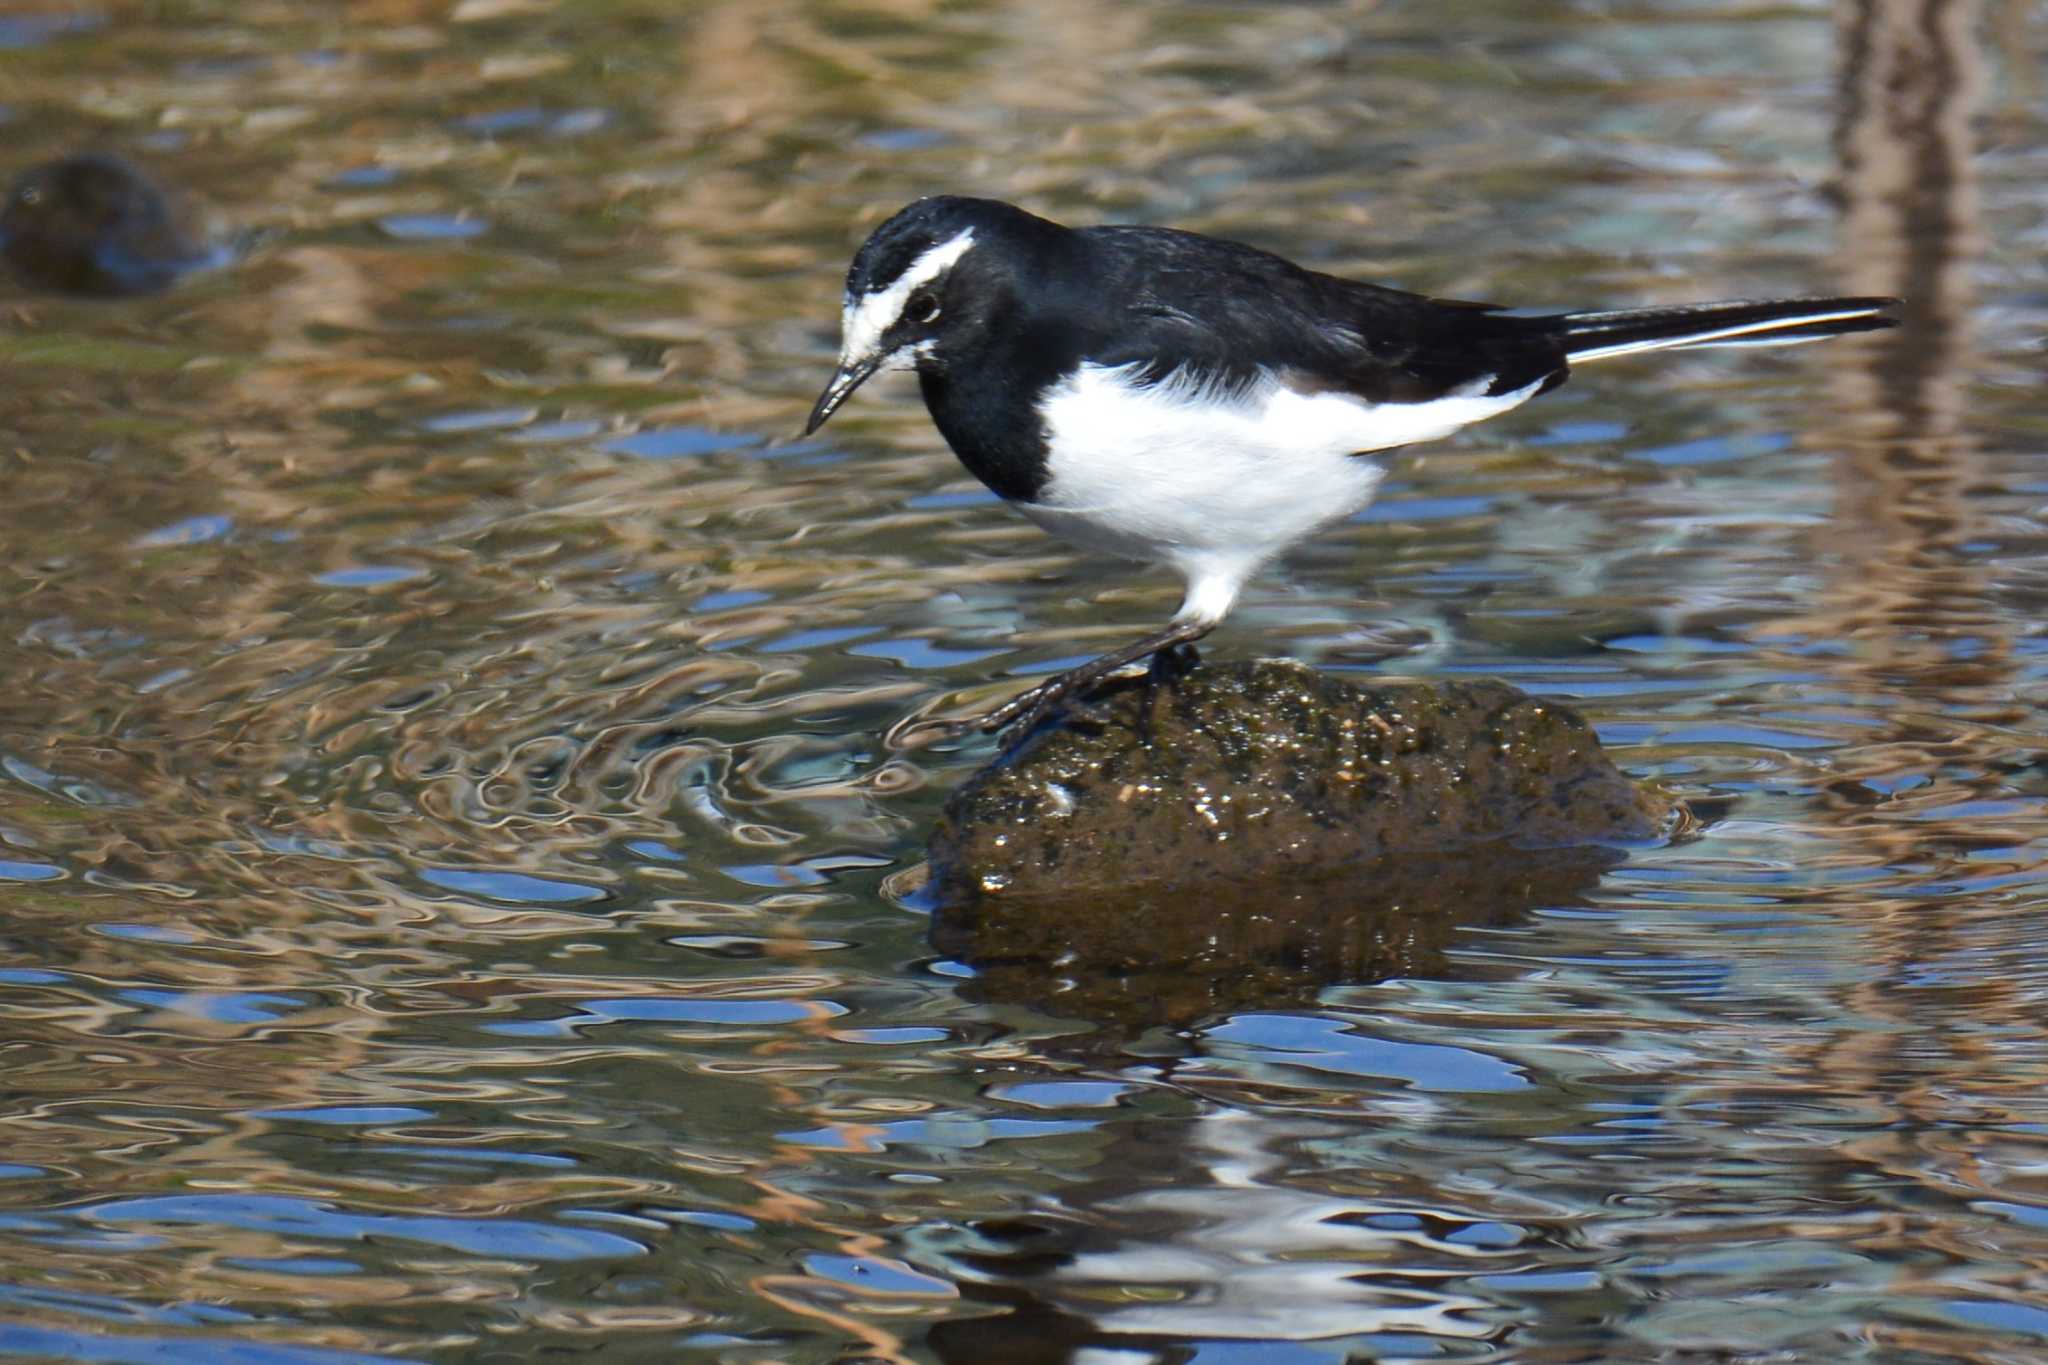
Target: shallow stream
<point>444,804</point>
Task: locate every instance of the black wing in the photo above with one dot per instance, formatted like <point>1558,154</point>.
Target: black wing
<point>1179,304</point>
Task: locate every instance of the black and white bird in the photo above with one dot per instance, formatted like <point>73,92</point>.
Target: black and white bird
<point>1202,404</point>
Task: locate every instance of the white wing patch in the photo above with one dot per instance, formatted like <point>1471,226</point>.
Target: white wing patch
<point>868,318</point>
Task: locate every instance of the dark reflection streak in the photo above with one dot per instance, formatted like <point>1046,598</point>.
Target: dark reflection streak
<point>1910,80</point>
<point>1902,588</point>
<point>1907,594</point>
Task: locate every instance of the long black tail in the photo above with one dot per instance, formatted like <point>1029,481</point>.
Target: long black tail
<point>1748,322</point>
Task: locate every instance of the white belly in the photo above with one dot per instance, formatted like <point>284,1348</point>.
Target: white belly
<point>1216,488</point>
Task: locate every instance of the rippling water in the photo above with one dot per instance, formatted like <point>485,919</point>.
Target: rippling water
<point>445,805</point>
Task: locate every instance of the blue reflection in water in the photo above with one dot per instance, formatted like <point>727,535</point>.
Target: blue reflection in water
<point>368,177</point>
<point>816,639</point>
<point>707,1218</point>
<point>430,227</point>
<point>961,497</point>
<point>106,1306</point>
<point>294,1265</point>
<point>1297,1353</point>
<point>518,887</point>
<point>912,652</point>
<point>2028,1215</point>
<point>1577,433</point>
<point>32,30</point>
<point>12,871</point>
<point>877,1276</point>
<point>190,531</point>
<point>476,419</point>
<point>534,120</point>
<point>52,1344</point>
<point>347,1114</point>
<point>904,139</point>
<point>720,601</point>
<point>518,1238</point>
<point>900,1036</point>
<point>2022,1319</point>
<point>1403,510</point>
<point>145,933</point>
<point>1334,1046</point>
<point>1712,449</point>
<point>226,1007</point>
<point>672,443</point>
<point>369,576</point>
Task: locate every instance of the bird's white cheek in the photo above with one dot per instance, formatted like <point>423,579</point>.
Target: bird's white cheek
<point>866,319</point>
<point>864,325</point>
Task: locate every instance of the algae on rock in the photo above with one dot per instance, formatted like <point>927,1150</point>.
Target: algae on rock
<point>1256,829</point>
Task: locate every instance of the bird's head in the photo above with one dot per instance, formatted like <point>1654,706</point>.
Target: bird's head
<point>920,280</point>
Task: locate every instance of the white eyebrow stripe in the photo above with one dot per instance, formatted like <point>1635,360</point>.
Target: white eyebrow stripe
<point>866,319</point>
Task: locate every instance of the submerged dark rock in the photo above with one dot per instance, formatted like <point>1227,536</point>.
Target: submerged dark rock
<point>1253,832</point>
<point>97,225</point>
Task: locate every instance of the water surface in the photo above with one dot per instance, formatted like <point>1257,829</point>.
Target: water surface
<point>445,807</point>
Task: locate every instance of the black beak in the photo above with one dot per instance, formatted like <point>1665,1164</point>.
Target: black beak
<point>849,378</point>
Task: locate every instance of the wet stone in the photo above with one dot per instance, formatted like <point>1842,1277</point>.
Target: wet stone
<point>93,224</point>
<point>1250,832</point>
<point>1272,769</point>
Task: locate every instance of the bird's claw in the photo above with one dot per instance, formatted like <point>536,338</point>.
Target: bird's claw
<point>1026,709</point>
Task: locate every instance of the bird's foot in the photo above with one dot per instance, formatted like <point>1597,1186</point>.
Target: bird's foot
<point>1025,710</point>
<point>1172,662</point>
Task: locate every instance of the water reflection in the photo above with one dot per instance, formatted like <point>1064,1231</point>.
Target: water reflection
<point>1202,1242</point>
<point>1243,835</point>
<point>1132,961</point>
<point>1905,587</point>
<point>443,808</point>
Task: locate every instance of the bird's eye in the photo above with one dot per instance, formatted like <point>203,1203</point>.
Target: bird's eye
<point>923,307</point>
<point>30,196</point>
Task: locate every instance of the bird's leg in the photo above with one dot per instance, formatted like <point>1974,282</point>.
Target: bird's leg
<point>1026,709</point>
<point>1167,667</point>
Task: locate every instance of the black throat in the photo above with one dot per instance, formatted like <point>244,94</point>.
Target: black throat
<point>1024,327</point>
<point>987,409</point>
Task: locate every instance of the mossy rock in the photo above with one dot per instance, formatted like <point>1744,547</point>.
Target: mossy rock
<point>1250,831</point>
<point>1271,769</point>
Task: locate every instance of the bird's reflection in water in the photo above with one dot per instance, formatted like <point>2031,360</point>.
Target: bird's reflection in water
<point>1197,1235</point>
